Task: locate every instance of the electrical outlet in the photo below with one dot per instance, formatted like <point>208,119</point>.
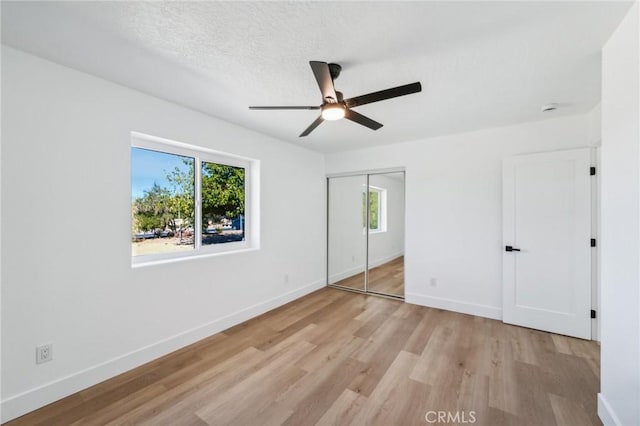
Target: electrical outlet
<point>433,282</point>
<point>44,353</point>
<point>286,278</point>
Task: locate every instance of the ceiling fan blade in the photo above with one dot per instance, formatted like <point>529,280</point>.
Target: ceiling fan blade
<point>394,92</point>
<point>361,119</point>
<point>325,82</point>
<point>312,126</point>
<point>283,107</point>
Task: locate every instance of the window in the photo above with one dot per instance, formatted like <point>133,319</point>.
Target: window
<point>377,209</point>
<point>162,211</point>
<point>186,200</point>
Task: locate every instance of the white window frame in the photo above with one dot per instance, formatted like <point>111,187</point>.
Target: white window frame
<point>382,209</point>
<point>200,154</point>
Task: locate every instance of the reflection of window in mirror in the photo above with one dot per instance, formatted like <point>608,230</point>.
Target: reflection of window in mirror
<point>377,209</point>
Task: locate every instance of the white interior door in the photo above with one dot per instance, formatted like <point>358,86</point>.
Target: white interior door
<point>547,224</point>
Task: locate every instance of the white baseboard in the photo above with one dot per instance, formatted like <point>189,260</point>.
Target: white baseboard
<point>606,413</point>
<point>346,274</point>
<point>25,402</point>
<point>377,262</point>
<point>454,305</point>
<point>360,268</point>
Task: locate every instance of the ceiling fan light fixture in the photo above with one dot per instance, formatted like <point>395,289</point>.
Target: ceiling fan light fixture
<point>333,112</point>
<point>335,107</point>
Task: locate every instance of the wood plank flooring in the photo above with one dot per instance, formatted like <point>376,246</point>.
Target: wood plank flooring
<point>341,358</point>
<point>387,278</point>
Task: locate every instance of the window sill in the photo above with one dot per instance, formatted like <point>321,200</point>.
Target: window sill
<point>152,262</point>
<point>377,231</point>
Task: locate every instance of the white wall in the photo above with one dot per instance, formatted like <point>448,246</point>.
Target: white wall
<point>347,238</point>
<point>619,398</point>
<point>453,206</point>
<point>66,255</point>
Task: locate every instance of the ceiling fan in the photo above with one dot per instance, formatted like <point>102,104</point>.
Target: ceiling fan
<point>334,107</point>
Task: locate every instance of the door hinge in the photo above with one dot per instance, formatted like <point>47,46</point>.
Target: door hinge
<point>592,171</point>
<point>593,242</point>
<point>593,313</point>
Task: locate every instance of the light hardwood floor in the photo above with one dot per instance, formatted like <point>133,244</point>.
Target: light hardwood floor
<point>387,278</point>
<point>337,357</point>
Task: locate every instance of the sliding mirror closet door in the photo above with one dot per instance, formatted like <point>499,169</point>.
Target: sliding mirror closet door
<point>386,234</point>
<point>347,243</point>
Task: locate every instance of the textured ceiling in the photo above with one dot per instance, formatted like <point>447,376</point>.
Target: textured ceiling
<point>481,64</point>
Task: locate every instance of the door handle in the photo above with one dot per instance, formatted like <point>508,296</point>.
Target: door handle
<point>509,248</point>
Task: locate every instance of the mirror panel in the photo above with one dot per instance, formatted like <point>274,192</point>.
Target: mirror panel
<point>347,244</point>
<point>386,234</point>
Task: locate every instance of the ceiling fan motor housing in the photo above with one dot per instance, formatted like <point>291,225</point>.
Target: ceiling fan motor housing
<point>334,70</point>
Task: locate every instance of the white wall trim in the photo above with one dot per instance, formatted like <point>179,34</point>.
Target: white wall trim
<point>20,404</point>
<point>377,262</point>
<point>346,274</point>
<point>455,305</point>
<point>360,268</point>
<point>606,413</point>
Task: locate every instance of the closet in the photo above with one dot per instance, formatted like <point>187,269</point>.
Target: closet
<point>365,232</point>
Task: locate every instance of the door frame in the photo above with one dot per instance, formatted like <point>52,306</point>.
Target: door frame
<point>595,253</point>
